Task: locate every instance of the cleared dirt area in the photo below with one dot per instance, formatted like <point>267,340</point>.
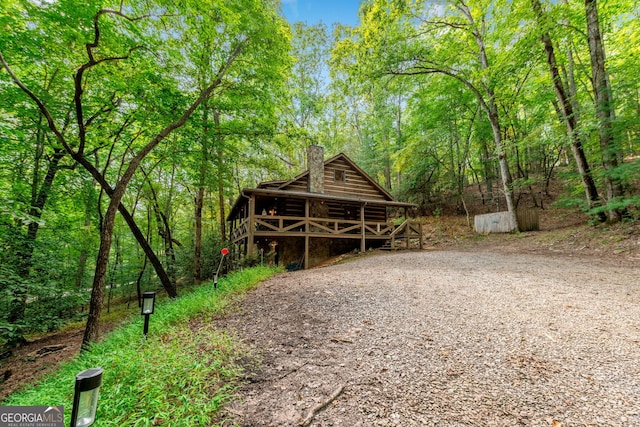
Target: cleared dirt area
<point>474,337</point>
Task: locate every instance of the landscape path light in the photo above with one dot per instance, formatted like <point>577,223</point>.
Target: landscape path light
<point>148,306</point>
<point>224,253</point>
<point>85,398</point>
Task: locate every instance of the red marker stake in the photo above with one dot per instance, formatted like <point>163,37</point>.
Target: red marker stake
<point>224,252</point>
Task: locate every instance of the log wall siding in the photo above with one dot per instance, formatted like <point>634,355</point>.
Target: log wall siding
<point>294,207</point>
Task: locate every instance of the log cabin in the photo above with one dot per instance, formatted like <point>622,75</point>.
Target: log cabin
<point>331,208</point>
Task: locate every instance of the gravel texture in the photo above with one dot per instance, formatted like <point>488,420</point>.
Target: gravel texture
<point>443,338</point>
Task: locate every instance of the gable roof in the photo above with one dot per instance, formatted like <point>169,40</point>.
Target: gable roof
<point>300,182</point>
<point>271,184</point>
<point>368,191</point>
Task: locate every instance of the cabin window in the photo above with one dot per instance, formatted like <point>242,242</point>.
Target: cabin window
<point>340,175</point>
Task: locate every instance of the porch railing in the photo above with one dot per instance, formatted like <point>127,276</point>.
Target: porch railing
<point>329,227</point>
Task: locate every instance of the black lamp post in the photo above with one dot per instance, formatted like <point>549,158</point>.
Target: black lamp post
<point>148,306</point>
<point>85,398</point>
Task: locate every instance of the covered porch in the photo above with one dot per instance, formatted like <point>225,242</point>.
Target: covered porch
<point>307,227</point>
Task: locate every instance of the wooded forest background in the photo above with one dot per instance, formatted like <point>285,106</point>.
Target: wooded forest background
<point>127,129</point>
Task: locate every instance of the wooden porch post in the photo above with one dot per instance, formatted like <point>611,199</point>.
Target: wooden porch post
<point>306,234</point>
<point>251,226</point>
<point>363,245</point>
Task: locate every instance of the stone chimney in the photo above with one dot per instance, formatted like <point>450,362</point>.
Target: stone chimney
<point>315,162</point>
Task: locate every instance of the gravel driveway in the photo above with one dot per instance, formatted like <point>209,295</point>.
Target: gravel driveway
<point>446,338</point>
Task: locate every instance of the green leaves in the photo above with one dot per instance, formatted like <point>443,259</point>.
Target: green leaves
<point>110,82</point>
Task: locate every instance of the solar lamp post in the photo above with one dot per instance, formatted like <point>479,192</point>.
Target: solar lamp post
<point>148,307</point>
<point>85,398</point>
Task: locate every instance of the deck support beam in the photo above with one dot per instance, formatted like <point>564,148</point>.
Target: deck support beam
<point>363,241</point>
<point>250,246</point>
<point>306,234</point>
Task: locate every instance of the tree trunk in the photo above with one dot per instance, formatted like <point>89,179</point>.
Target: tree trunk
<point>568,116</point>
<point>507,181</point>
<point>91,331</point>
<point>387,169</point>
<point>114,273</point>
<point>144,262</point>
<point>221,204</point>
<point>26,247</point>
<point>200,192</point>
<point>168,285</point>
<point>489,105</point>
<point>82,266</point>
<point>487,171</point>
<point>494,120</point>
<point>164,231</point>
<point>220,164</point>
<point>399,137</point>
<point>84,249</point>
<point>604,107</point>
<point>197,252</point>
<point>167,233</point>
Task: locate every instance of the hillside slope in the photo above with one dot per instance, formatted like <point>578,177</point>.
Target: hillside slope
<point>562,231</point>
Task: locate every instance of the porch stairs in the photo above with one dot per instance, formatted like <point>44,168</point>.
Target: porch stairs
<point>408,235</point>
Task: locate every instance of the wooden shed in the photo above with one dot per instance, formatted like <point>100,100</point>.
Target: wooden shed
<point>331,208</point>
